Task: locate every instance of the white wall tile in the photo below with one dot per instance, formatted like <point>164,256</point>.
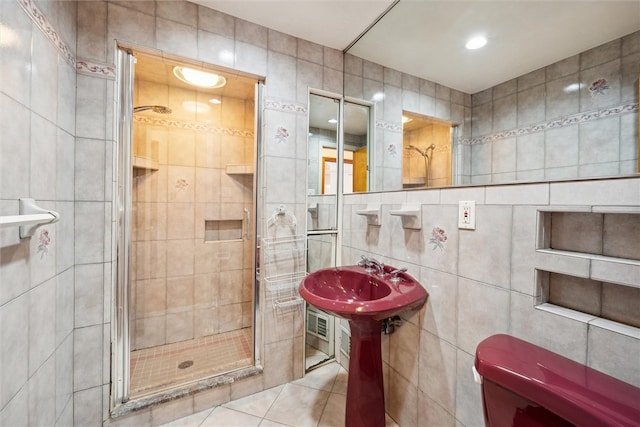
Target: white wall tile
<point>613,354</point>
<point>88,295</point>
<point>89,232</point>
<point>14,352</point>
<point>42,397</point>
<point>87,360</point>
<point>14,146</point>
<point>42,326</point>
<point>482,311</point>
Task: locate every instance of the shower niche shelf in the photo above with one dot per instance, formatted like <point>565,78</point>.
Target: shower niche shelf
<point>243,169</point>
<point>145,155</point>
<point>145,163</point>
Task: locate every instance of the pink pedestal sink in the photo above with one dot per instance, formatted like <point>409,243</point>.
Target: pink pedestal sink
<point>365,300</point>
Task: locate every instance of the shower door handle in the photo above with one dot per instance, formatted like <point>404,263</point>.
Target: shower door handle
<point>247,223</point>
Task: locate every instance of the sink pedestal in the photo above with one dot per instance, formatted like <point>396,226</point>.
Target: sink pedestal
<point>365,388</point>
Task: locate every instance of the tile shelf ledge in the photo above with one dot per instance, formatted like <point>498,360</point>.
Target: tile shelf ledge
<point>147,163</point>
<point>618,271</point>
<point>373,214</point>
<point>241,169</point>
<point>411,216</point>
<point>590,319</point>
<point>590,256</point>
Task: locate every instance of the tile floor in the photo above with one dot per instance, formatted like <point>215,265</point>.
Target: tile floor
<point>155,367</point>
<point>317,400</point>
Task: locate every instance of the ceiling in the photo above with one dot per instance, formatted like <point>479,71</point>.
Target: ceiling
<point>426,38</point>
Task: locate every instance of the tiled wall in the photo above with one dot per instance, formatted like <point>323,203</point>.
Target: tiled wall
<point>37,274</point>
<point>574,118</point>
<point>182,286</point>
<point>480,283</point>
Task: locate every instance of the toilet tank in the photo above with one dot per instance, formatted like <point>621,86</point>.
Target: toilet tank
<point>524,385</point>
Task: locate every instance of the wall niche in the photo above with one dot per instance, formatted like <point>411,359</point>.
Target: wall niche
<point>588,261</point>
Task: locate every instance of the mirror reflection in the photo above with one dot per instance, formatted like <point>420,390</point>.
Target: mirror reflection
<point>338,156</point>
<point>426,159</point>
<point>574,117</point>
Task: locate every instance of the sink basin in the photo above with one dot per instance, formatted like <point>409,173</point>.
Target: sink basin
<point>365,299</point>
<point>351,293</point>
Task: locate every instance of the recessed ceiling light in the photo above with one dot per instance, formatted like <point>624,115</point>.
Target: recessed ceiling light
<point>199,78</point>
<point>476,42</point>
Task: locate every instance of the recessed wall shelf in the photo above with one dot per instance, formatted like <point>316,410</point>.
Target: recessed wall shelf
<point>588,265</point>
<point>244,169</point>
<point>145,163</point>
<point>411,216</point>
<point>372,212</point>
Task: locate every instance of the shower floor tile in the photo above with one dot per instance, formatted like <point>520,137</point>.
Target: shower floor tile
<point>157,367</point>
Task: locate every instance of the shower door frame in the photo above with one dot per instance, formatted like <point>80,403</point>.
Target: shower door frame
<point>121,230</point>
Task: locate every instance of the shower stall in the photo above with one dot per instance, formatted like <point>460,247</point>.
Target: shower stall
<point>185,304</point>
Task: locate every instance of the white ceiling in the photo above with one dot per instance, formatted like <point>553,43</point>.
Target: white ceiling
<point>426,38</point>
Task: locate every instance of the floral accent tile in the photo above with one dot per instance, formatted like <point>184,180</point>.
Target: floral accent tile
<point>274,104</point>
<point>599,87</point>
<point>282,135</point>
<point>43,242</point>
<point>182,184</point>
<point>438,237</point>
<point>392,150</point>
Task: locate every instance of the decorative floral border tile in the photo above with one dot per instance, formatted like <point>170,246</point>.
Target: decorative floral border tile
<point>554,124</point>
<point>45,26</point>
<point>393,127</point>
<point>190,125</point>
<point>275,104</point>
<point>96,69</point>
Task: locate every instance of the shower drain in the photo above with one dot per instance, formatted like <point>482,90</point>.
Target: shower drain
<point>185,364</point>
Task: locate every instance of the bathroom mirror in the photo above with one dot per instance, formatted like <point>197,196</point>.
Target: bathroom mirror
<point>324,160</point>
<point>575,117</point>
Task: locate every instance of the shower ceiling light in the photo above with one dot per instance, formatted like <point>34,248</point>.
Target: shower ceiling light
<point>476,42</point>
<point>199,78</point>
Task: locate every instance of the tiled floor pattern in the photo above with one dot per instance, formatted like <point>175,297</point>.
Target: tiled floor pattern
<point>317,400</point>
<point>155,367</point>
<point>314,357</point>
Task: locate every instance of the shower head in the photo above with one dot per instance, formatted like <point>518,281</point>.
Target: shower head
<point>414,148</point>
<point>155,108</point>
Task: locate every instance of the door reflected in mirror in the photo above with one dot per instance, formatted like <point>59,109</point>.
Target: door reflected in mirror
<point>426,159</point>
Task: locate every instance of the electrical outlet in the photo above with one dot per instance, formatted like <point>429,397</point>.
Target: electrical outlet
<point>467,215</point>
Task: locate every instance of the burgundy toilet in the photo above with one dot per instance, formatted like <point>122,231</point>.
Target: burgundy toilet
<point>524,385</point>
